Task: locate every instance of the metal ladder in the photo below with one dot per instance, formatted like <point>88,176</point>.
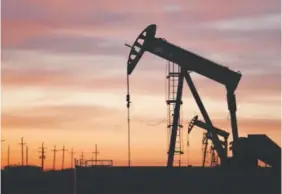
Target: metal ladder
<point>173,72</point>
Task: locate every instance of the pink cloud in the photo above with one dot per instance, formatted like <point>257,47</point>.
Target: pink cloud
<point>120,18</point>
<point>35,77</point>
<point>27,29</point>
<point>250,87</point>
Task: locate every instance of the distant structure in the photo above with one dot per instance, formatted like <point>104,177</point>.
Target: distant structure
<point>54,157</point>
<point>93,162</point>
<point>206,136</point>
<point>214,158</point>
<point>212,151</point>
<point>188,145</point>
<point>42,156</point>
<point>22,148</point>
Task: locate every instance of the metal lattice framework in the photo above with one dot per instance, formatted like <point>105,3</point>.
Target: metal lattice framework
<point>173,73</point>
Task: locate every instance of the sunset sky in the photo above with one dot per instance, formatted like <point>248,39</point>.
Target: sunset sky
<point>64,74</point>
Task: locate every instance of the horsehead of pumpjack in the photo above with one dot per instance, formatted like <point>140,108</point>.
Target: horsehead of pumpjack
<point>139,47</point>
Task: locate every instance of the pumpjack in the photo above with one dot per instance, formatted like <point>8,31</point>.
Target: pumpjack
<point>196,122</point>
<point>190,62</point>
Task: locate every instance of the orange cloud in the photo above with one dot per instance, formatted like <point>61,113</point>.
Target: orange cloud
<point>41,78</point>
<point>142,131</point>
<point>57,117</point>
<point>250,88</point>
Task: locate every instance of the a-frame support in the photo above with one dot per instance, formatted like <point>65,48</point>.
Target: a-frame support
<point>212,133</point>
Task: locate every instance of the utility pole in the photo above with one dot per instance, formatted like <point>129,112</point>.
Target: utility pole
<point>8,157</point>
<point>96,154</point>
<point>63,158</point>
<point>54,157</point>
<point>22,147</point>
<point>26,150</point>
<point>72,152</point>
<point>42,156</point>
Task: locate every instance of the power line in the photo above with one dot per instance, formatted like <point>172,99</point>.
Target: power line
<point>156,124</point>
